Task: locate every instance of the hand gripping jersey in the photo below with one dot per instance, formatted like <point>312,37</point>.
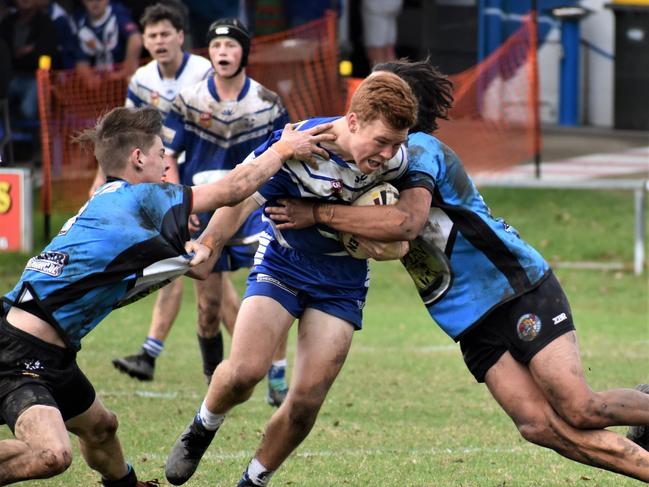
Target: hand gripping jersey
<point>314,256</point>
<point>127,241</point>
<point>216,135</point>
<point>103,43</point>
<point>464,262</point>
<point>148,88</point>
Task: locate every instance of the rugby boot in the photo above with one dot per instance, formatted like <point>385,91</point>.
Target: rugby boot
<point>187,452</point>
<point>140,366</point>
<point>640,434</point>
<point>148,483</point>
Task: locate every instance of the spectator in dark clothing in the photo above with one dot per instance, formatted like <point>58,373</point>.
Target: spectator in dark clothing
<point>299,12</point>
<point>30,34</point>
<point>66,33</point>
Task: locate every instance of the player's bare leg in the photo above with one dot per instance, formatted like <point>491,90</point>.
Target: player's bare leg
<point>209,301</point>
<point>569,394</point>
<point>514,387</point>
<point>165,310</point>
<point>322,345</point>
<point>41,449</point>
<point>98,442</point>
<point>277,385</point>
<point>261,323</point>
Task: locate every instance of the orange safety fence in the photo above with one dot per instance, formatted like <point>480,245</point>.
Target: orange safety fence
<point>493,123</point>
<point>300,64</point>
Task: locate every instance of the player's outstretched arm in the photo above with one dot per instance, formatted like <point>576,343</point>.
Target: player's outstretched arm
<point>222,226</point>
<point>246,178</point>
<point>402,221</point>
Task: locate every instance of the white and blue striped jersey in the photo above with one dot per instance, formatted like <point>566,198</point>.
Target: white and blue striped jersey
<point>216,134</point>
<point>464,262</point>
<point>148,88</point>
<point>299,253</point>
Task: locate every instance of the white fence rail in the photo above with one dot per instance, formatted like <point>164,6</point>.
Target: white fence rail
<point>640,187</point>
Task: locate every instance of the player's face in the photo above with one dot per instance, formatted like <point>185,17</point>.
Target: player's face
<point>225,54</point>
<point>163,41</point>
<point>154,166</point>
<point>95,8</point>
<point>372,144</point>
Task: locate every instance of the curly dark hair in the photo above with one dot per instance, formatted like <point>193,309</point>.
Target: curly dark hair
<point>433,90</point>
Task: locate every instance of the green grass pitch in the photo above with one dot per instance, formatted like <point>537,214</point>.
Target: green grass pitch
<point>404,410</point>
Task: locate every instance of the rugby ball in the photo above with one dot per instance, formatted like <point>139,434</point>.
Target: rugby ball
<point>381,194</point>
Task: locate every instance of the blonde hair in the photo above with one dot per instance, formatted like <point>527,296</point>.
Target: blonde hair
<point>385,95</point>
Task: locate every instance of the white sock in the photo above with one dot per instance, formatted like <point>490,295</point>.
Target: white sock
<point>257,473</point>
<point>280,363</point>
<point>210,420</point>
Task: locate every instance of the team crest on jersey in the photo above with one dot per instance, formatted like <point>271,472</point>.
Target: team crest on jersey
<point>336,186</point>
<point>50,263</point>
<point>155,98</point>
<point>528,327</point>
<point>205,119</point>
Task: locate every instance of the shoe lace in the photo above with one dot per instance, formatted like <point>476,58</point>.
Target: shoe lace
<point>197,441</point>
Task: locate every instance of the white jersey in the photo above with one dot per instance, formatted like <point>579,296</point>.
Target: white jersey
<point>334,180</point>
<point>149,88</point>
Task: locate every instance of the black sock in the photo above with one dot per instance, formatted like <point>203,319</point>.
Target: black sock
<point>129,480</point>
<point>211,351</point>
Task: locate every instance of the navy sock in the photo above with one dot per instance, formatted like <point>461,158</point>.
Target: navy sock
<point>129,480</point>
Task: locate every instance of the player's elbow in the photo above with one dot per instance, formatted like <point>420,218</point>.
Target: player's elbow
<point>406,227</point>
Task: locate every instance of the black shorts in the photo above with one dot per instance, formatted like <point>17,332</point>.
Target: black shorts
<point>36,372</point>
<point>522,326</point>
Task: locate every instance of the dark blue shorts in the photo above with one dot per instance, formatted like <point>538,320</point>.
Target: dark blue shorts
<point>296,301</point>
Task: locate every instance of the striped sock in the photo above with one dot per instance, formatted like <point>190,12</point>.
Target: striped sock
<point>153,347</point>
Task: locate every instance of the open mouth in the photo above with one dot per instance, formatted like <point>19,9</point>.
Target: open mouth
<point>223,62</point>
<point>160,51</point>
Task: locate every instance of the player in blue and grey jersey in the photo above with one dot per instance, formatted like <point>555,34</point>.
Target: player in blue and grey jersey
<point>303,274</point>
<point>218,122</point>
<point>491,291</point>
<point>129,238</point>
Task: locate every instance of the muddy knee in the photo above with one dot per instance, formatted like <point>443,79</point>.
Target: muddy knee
<point>52,461</point>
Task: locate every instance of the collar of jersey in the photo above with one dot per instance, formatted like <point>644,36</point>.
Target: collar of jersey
<point>211,87</point>
<point>183,63</point>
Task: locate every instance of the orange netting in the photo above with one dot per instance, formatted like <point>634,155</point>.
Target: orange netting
<point>300,64</point>
<point>493,120</point>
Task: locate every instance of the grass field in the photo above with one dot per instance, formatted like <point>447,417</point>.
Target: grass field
<point>404,411</point>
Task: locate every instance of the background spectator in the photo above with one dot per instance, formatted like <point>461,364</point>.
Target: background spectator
<point>29,34</point>
<point>106,36</point>
<point>66,33</point>
<point>380,29</point>
<point>203,12</point>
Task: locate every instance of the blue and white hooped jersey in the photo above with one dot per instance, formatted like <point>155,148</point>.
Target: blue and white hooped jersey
<point>216,135</point>
<point>148,88</point>
<point>125,242</point>
<point>465,262</point>
<point>103,43</point>
<point>335,180</point>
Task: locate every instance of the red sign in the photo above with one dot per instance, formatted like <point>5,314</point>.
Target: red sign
<point>15,223</point>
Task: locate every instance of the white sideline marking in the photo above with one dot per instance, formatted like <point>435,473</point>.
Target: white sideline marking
<point>238,455</point>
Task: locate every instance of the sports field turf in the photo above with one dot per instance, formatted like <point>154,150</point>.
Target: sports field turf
<point>404,410</point>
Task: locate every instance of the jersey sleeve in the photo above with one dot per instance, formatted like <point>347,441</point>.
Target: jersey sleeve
<point>281,116</point>
<point>132,98</point>
<point>425,163</point>
<point>168,207</point>
<point>173,129</point>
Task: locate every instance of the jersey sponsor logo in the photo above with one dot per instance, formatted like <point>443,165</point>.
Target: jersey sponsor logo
<point>559,318</point>
<point>155,98</point>
<point>337,186</point>
<point>528,327</point>
<point>205,119</point>
<point>50,263</point>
